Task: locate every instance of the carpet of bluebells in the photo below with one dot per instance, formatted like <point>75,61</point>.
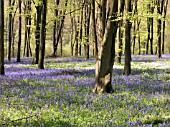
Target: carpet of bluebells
<point>61,94</point>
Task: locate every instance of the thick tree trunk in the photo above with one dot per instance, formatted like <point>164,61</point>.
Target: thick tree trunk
<point>105,60</point>
<point>2,72</point>
<point>42,35</point>
<point>127,66</point>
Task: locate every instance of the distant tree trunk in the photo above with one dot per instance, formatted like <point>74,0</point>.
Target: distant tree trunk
<point>94,28</point>
<point>127,66</point>
<point>76,35</point>
<point>134,25</point>
<point>149,29</point>
<point>81,29</point>
<point>55,27</point>
<point>2,72</point>
<point>120,31</point>
<point>151,24</point>
<point>42,35</point>
<point>105,60</point>
<point>71,35</point>
<point>159,23</point>
<point>87,14</point>
<point>27,11</point>
<point>164,23</point>
<point>29,53</point>
<point>9,32</point>
<point>19,32</point>
<point>138,32</point>
<point>60,28</point>
<point>37,32</point>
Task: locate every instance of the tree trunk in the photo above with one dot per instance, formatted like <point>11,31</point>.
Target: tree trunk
<point>138,32</point>
<point>151,24</point>
<point>55,27</point>
<point>60,28</point>
<point>94,27</point>
<point>105,60</point>
<point>120,31</point>
<point>37,32</point>
<point>9,32</point>
<point>81,29</point>
<point>42,35</point>
<point>164,23</point>
<point>127,66</point>
<point>149,30</point>
<point>159,23</point>
<point>2,72</point>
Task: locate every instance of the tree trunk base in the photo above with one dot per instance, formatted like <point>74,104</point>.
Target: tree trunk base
<point>99,90</point>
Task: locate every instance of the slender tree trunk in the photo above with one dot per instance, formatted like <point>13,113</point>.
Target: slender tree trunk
<point>151,24</point>
<point>159,23</point>
<point>127,66</point>
<point>149,30</point>
<point>9,32</point>
<point>105,60</point>
<point>37,32</point>
<point>138,32</point>
<point>55,27</point>
<point>87,29</point>
<point>42,35</point>
<point>60,28</point>
<point>134,25</point>
<point>94,28</point>
<point>81,29</point>
<point>164,23</point>
<point>76,36</point>
<point>2,72</point>
<point>120,31</point>
<point>71,35</point>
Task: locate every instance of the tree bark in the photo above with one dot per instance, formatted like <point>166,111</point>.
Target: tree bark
<point>19,33</point>
<point>55,27</point>
<point>127,66</point>
<point>42,35</point>
<point>164,23</point>
<point>37,32</point>
<point>9,33</point>
<point>105,60</point>
<point>2,72</point>
<point>159,23</point>
<point>60,28</point>
<point>120,30</point>
<point>94,28</point>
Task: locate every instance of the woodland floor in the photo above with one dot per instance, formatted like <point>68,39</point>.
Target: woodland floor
<point>61,94</point>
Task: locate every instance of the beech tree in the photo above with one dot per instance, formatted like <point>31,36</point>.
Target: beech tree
<point>105,59</point>
<point>2,72</point>
<point>127,66</point>
<point>42,35</point>
<point>19,32</point>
